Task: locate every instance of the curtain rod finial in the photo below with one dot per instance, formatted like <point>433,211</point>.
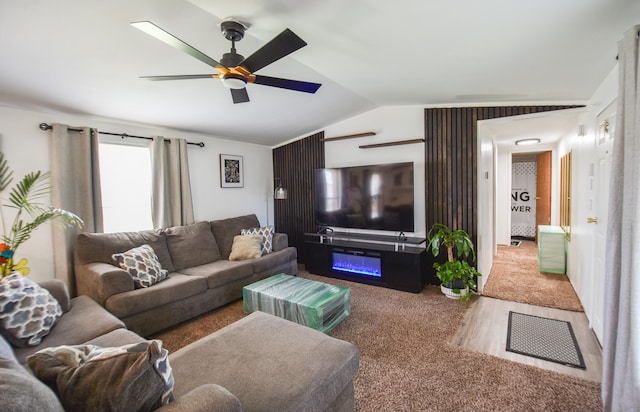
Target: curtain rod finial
<point>44,126</point>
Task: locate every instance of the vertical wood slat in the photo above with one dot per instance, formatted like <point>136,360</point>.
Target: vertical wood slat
<point>295,164</point>
<point>451,161</point>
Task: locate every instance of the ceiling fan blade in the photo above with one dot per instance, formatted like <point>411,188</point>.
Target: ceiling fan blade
<point>283,44</point>
<point>162,35</point>
<point>239,95</point>
<point>179,77</point>
<point>296,85</point>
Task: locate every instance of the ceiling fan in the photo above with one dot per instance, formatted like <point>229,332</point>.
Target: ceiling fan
<point>234,70</point>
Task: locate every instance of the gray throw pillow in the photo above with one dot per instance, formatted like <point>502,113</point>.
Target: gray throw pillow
<point>134,377</point>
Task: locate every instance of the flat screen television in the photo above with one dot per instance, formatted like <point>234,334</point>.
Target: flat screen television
<point>375,197</point>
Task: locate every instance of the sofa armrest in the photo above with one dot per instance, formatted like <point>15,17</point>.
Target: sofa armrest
<point>59,291</point>
<point>280,241</point>
<point>100,281</point>
<point>205,398</point>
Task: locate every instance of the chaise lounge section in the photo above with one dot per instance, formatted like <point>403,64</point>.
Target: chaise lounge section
<point>259,363</point>
<point>201,276</point>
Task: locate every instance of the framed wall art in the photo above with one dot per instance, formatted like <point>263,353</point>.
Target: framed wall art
<point>231,174</point>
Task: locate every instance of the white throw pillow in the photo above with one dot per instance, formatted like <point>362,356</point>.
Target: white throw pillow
<point>267,236</point>
<point>246,247</point>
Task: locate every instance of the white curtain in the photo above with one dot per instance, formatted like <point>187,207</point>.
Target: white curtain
<point>621,353</point>
<point>75,182</point>
<point>171,202</point>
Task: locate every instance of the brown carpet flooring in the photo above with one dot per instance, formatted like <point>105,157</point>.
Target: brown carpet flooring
<point>515,276</point>
<point>408,364</point>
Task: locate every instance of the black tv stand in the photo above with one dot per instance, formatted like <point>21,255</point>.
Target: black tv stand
<point>392,261</point>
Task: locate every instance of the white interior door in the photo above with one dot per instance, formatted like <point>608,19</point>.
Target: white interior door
<point>604,146</point>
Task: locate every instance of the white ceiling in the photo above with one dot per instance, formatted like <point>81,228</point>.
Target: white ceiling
<point>82,56</point>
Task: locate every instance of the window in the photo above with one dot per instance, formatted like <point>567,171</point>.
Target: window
<point>125,174</point>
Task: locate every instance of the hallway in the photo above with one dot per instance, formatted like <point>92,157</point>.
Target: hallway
<point>515,276</point>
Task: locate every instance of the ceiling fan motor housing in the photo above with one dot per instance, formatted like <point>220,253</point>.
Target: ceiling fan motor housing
<point>231,59</point>
<point>232,30</point>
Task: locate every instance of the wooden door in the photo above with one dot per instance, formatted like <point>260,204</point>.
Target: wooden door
<point>543,190</point>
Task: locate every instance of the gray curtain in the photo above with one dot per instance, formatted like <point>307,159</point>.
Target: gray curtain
<point>171,202</point>
<point>75,182</point>
<point>621,353</point>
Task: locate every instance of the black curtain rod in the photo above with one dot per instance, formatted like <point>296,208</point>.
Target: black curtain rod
<point>45,126</point>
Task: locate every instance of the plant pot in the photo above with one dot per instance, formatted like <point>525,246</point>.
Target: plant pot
<point>448,291</point>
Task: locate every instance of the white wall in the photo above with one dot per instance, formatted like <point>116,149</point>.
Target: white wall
<point>389,124</point>
<point>503,195</point>
<point>26,149</point>
<point>485,246</point>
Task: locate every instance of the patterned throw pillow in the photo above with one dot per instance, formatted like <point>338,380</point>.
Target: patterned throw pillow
<point>27,310</point>
<point>92,378</point>
<point>267,236</point>
<point>142,264</point>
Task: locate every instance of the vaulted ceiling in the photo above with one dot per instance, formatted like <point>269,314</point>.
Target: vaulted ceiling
<point>83,56</point>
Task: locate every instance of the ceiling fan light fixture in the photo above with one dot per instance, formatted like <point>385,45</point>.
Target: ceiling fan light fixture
<point>234,82</point>
<point>525,142</point>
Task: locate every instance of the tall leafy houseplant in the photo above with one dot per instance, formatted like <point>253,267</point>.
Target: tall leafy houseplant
<point>456,273</point>
<point>25,201</point>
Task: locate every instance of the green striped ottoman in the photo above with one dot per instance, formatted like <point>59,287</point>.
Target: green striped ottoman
<point>315,304</point>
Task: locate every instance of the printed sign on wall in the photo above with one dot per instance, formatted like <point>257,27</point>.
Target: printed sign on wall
<point>523,199</point>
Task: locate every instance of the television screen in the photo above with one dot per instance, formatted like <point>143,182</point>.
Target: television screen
<point>376,197</point>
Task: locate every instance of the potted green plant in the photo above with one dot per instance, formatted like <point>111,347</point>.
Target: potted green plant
<point>458,277</point>
<point>24,199</point>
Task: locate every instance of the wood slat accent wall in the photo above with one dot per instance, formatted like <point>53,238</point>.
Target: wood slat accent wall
<point>451,161</point>
<point>295,164</point>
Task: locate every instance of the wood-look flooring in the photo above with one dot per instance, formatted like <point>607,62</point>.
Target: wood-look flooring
<point>484,329</point>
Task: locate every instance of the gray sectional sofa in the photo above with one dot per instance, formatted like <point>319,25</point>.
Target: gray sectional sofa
<point>260,363</point>
<point>201,276</point>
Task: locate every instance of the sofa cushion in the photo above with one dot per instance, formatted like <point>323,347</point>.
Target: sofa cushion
<point>22,392</point>
<point>84,321</point>
<point>274,260</point>
<point>99,247</point>
<point>222,272</point>
<point>59,291</point>
<point>27,310</point>
<point>246,247</point>
<point>267,236</point>
<point>191,245</point>
<point>116,337</point>
<point>133,377</point>
<point>225,229</point>
<point>142,264</point>
<point>280,241</point>
<point>176,287</point>
<point>6,351</point>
